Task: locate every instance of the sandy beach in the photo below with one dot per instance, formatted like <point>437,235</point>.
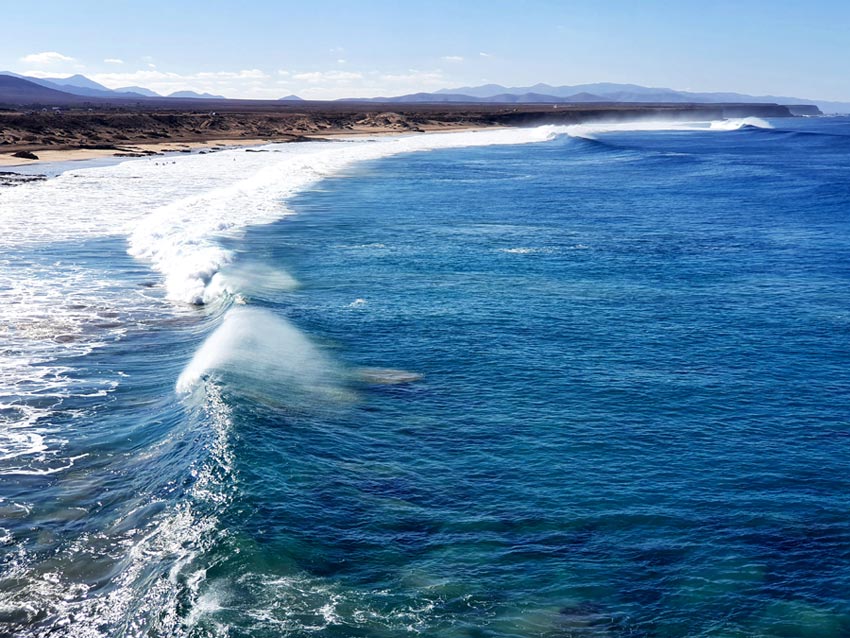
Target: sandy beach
<point>8,160</point>
<point>49,155</point>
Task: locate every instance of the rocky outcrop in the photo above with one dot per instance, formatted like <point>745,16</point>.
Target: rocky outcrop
<point>804,110</point>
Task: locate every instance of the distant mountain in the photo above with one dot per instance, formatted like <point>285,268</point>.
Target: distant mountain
<point>193,94</point>
<point>613,92</point>
<point>413,98</point>
<point>81,85</point>
<point>539,98</point>
<point>76,84</point>
<point>138,90</point>
<point>500,98</point>
<point>79,82</point>
<point>16,90</point>
<point>20,90</point>
<point>486,90</point>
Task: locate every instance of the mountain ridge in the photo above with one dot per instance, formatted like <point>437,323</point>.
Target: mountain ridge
<point>599,93</point>
<point>616,92</point>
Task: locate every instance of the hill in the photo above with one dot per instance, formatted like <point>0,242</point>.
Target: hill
<point>193,94</point>
<point>14,90</point>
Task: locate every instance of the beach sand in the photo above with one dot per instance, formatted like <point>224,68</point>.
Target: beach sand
<point>134,150</point>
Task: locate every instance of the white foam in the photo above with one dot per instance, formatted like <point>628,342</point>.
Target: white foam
<point>138,600</point>
<point>522,250</point>
<point>49,311</point>
<point>240,280</point>
<point>592,130</point>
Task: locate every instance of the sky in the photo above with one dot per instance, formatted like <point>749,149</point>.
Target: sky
<point>333,49</point>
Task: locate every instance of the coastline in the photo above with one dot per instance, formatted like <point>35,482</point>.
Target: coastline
<point>152,149</point>
<point>72,133</point>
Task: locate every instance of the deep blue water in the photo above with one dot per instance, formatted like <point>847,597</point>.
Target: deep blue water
<point>623,409</point>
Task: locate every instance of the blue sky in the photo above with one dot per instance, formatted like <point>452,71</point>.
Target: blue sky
<point>329,49</point>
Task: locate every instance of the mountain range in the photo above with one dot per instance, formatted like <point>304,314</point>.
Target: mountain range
<point>597,92</point>
<point>80,86</point>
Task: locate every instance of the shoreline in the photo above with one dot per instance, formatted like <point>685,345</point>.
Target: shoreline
<point>72,133</point>
<point>142,150</point>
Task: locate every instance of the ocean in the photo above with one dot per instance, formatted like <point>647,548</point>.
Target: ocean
<point>560,381</point>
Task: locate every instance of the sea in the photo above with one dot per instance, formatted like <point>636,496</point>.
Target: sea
<point>560,381</point>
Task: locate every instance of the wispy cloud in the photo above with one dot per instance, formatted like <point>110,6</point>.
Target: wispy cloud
<point>45,58</point>
<point>452,58</point>
<point>114,61</point>
<point>324,77</point>
<point>485,55</point>
<point>336,84</point>
<point>247,74</point>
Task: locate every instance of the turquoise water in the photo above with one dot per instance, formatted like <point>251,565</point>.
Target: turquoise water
<point>589,386</point>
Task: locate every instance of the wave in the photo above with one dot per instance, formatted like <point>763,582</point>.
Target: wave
<point>258,355</point>
<point>736,124</point>
<point>591,130</point>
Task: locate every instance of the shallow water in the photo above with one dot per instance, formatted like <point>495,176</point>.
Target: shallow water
<point>572,382</point>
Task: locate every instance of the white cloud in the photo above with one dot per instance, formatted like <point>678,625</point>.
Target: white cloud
<point>283,72</point>
<point>486,55</point>
<point>321,86</point>
<point>342,61</point>
<point>45,58</point>
<point>252,83</point>
<point>452,58</point>
<point>114,61</point>
<point>247,74</point>
<point>321,77</point>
